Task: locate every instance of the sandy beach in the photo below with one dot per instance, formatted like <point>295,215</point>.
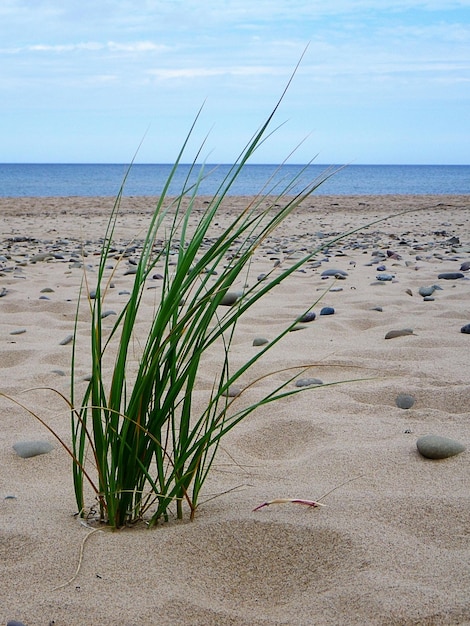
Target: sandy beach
<point>392,543</point>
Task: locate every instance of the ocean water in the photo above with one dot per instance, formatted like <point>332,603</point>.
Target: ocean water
<point>43,180</point>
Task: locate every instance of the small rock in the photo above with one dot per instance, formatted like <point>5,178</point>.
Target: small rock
<point>308,382</point>
<point>232,392</point>
<point>66,341</point>
<point>427,291</point>
<point>41,256</point>
<point>297,327</point>
<point>399,333</point>
<point>377,308</point>
<point>451,275</point>
<point>404,401</point>
<point>14,622</point>
<point>308,317</point>
<point>385,277</point>
<point>107,313</point>
<point>260,341</point>
<point>26,449</point>
<point>465,329</point>
<point>335,273</point>
<point>47,290</point>
<point>327,310</point>
<point>230,298</point>
<point>19,331</point>
<point>436,447</point>
<point>465,266</point>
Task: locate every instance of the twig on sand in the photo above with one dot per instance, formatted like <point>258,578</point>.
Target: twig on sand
<point>311,503</point>
<point>80,559</point>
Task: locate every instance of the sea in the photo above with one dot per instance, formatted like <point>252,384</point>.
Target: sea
<point>47,180</point>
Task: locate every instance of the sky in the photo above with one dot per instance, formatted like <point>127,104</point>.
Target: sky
<point>379,82</point>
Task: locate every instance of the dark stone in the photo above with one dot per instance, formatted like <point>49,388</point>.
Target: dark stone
<point>230,298</point>
<point>465,266</point>
<point>308,317</point>
<point>451,275</point>
<point>399,333</point>
<point>327,310</point>
<point>260,341</point>
<point>465,329</point>
<point>436,447</point>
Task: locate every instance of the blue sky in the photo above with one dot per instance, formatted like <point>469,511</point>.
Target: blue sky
<point>382,81</point>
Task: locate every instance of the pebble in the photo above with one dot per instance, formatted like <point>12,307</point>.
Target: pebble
<point>428,299</point>
<point>260,341</point>
<point>26,449</point>
<point>233,392</point>
<point>465,266</point>
<point>41,256</point>
<point>427,290</point>
<point>436,447</point>
<point>308,382</point>
<point>451,275</point>
<point>327,310</point>
<point>404,401</point>
<point>297,327</point>
<point>14,622</point>
<point>107,313</point>
<point>385,277</point>
<point>230,298</point>
<point>377,308</point>
<point>308,317</point>
<point>66,340</point>
<point>335,273</point>
<point>47,290</point>
<point>19,331</point>
<point>465,329</point>
<point>399,333</point>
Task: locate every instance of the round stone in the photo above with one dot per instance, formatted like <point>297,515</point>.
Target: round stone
<point>465,329</point>
<point>327,310</point>
<point>404,401</point>
<point>436,447</point>
<point>384,277</point>
<point>426,291</point>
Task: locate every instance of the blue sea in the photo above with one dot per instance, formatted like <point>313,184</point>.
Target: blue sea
<point>45,180</point>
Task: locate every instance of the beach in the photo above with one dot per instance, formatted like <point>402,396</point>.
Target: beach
<point>391,543</point>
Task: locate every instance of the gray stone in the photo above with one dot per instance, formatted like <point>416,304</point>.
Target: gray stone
<point>403,332</point>
<point>230,298</point>
<point>66,340</point>
<point>297,327</point>
<point>465,329</point>
<point>404,401</point>
<point>260,341</point>
<point>233,392</point>
<point>308,382</point>
<point>436,447</point>
<point>19,331</point>
<point>26,449</point>
<point>427,290</point>
<point>327,310</point>
<point>335,273</point>
<point>385,277</point>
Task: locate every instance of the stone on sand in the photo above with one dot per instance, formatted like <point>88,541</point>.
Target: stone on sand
<point>436,447</point>
<point>27,449</point>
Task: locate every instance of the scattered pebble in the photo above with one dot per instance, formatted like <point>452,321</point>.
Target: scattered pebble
<point>27,449</point>
<point>297,327</point>
<point>66,340</point>
<point>333,272</point>
<point>465,329</point>
<point>327,310</point>
<point>385,277</point>
<point>399,333</point>
<point>233,392</point>
<point>436,447</point>
<point>260,341</point>
<point>19,331</point>
<point>404,401</point>
<point>308,317</point>
<point>465,266</point>
<point>230,298</point>
<point>308,382</point>
<point>451,275</point>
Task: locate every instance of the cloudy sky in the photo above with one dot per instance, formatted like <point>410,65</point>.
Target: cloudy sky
<point>382,81</point>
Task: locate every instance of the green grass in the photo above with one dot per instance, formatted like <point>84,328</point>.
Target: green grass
<point>137,437</point>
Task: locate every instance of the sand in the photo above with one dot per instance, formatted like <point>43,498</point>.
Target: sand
<point>392,544</point>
